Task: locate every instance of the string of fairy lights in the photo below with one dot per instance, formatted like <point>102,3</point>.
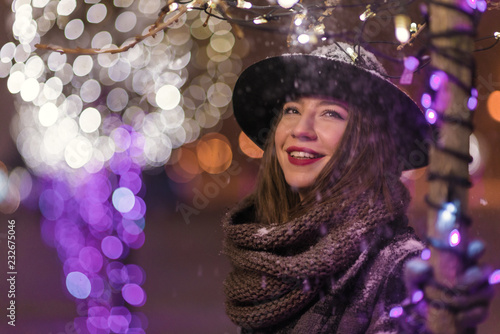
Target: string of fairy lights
<point>88,124</point>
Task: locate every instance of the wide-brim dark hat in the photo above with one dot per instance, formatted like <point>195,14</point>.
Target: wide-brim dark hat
<point>341,71</point>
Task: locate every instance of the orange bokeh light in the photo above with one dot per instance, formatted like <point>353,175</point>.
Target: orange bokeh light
<point>214,153</point>
<point>248,147</point>
<point>494,105</point>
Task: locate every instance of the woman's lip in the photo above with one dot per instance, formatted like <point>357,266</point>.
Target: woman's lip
<point>302,162</point>
<point>301,149</point>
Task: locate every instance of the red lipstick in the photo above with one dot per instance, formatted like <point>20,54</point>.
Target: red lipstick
<point>302,161</point>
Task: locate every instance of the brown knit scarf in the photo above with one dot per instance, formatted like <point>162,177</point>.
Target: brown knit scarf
<point>279,269</point>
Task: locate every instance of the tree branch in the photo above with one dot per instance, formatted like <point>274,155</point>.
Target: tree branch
<point>153,30</point>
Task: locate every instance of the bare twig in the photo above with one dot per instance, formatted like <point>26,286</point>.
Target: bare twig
<point>155,28</point>
<point>238,32</point>
<point>413,37</point>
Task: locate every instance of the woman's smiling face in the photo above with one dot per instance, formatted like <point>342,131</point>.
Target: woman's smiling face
<point>306,138</point>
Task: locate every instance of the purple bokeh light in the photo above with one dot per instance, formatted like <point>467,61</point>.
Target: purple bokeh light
<point>472,103</point>
<point>481,5</point>
<point>51,204</point>
<point>454,238</point>
<point>136,274</point>
<point>117,274</point>
<point>119,319</point>
<point>437,79</point>
<point>417,296</point>
<point>123,199</point>
<point>78,285</point>
<point>112,247</point>
<point>122,139</point>
<point>431,116</point>
<point>134,227</point>
<point>132,181</point>
<point>138,211</point>
<point>426,100</point>
<point>134,294</point>
<point>471,3</point>
<point>97,318</point>
<point>411,63</point>
<point>120,163</point>
<point>90,259</point>
<point>426,254</point>
<point>396,312</point>
<point>494,277</point>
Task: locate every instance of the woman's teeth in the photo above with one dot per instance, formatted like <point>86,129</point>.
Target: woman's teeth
<point>303,155</point>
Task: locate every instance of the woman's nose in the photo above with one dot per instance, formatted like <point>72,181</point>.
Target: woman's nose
<point>304,129</point>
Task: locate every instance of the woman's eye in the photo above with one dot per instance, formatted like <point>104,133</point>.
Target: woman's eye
<point>290,110</point>
<point>333,113</point>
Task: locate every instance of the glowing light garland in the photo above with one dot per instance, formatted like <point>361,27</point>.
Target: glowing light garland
<point>88,125</point>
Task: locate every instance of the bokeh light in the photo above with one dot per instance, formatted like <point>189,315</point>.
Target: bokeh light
<point>493,105</point>
<point>214,153</point>
<point>112,247</point>
<point>134,294</point>
<point>248,147</point>
<point>454,238</point>
<point>88,125</point>
<point>78,284</point>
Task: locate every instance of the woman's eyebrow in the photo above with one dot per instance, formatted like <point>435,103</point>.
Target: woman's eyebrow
<point>336,103</point>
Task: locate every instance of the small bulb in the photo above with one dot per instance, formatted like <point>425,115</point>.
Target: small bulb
<point>472,4</point>
<point>430,116</point>
<point>173,6</point>
<point>497,35</point>
<point>299,19</point>
<point>426,100</point>
<point>244,4</point>
<point>303,38</point>
<point>401,23</point>
<point>287,3</point>
<point>259,20</point>
<point>396,312</point>
<point>494,277</point>
<point>472,103</point>
<point>417,296</point>
<point>367,14</point>
<point>426,254</point>
<point>454,238</point>
<point>481,5</point>
<point>437,80</point>
<point>352,54</point>
<point>413,28</point>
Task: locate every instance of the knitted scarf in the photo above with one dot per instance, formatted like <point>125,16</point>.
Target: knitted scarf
<point>278,270</point>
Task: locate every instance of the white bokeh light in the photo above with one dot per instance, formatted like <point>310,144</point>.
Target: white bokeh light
<point>48,114</point>
<point>168,97</point>
<point>90,120</point>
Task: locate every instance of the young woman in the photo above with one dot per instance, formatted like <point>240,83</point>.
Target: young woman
<point>320,245</point>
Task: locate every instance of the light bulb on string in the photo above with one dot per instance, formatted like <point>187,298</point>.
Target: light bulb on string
<point>454,238</point>
<point>287,3</point>
<point>244,4</point>
<point>367,13</point>
<point>431,116</point>
<point>426,100</point>
<point>481,5</point>
<point>401,25</point>
<point>259,20</point>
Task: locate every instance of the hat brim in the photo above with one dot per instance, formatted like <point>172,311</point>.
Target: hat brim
<point>264,87</point>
